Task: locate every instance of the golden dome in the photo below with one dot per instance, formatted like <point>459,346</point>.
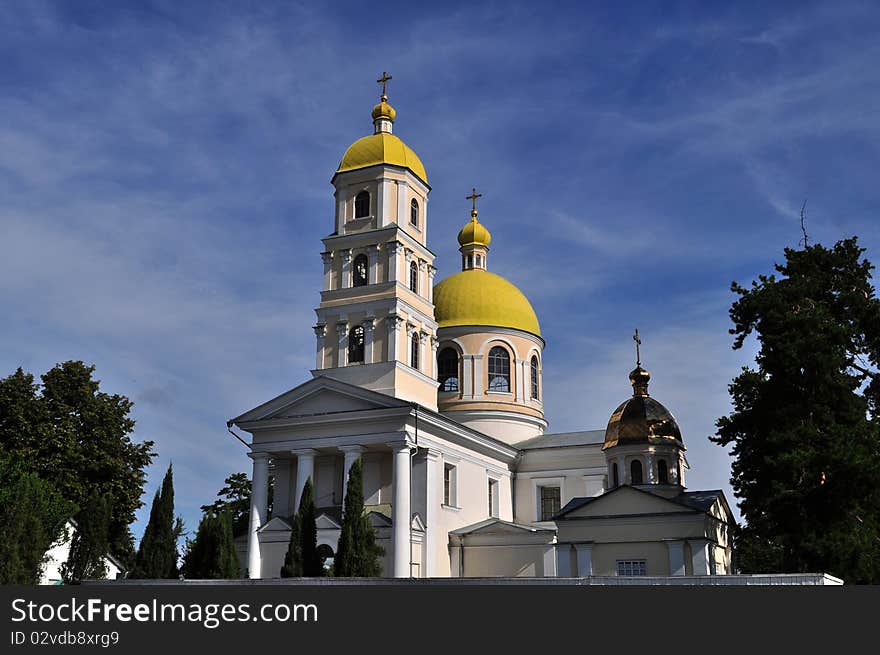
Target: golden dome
<point>474,233</point>
<point>478,297</point>
<point>641,419</point>
<point>382,148</point>
<point>384,110</point>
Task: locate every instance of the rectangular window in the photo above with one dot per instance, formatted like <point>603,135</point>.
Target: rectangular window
<point>493,498</point>
<point>550,497</point>
<point>631,567</point>
<point>449,485</point>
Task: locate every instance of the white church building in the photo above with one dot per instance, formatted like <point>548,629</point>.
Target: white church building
<point>438,390</point>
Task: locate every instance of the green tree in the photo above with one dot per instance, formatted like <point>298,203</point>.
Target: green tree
<point>211,555</point>
<point>32,518</point>
<point>90,543</point>
<point>76,437</point>
<point>357,554</point>
<point>302,557</point>
<point>157,554</point>
<point>235,498</point>
<point>804,428</point>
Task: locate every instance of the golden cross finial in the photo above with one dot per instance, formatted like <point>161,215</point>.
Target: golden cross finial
<point>474,195</point>
<point>383,81</point>
<point>638,343</point>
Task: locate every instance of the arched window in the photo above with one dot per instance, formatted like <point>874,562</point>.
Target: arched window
<point>414,351</point>
<point>479,261</point>
<point>447,365</point>
<point>499,369</point>
<point>326,553</point>
<point>635,472</point>
<point>470,261</point>
<point>356,344</point>
<point>534,371</point>
<point>414,212</point>
<point>413,277</point>
<point>359,277</point>
<point>662,472</point>
<point>615,476</point>
<point>362,204</point>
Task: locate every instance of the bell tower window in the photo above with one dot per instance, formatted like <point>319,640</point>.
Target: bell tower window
<point>635,472</point>
<point>362,204</point>
<point>447,364</point>
<point>356,344</point>
<point>359,274</point>
<point>662,472</point>
<point>414,351</point>
<point>499,369</point>
<point>413,277</point>
<point>414,212</point>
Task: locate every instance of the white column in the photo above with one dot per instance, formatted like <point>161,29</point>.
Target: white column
<point>423,279</point>
<point>259,504</point>
<point>584,559</point>
<point>700,556</point>
<point>433,483</point>
<point>467,376</point>
<point>563,561</point>
<point>394,249</point>
<point>479,383</point>
<point>431,273</point>
<point>402,204</point>
<point>393,323</point>
<point>649,460</point>
<point>373,264</point>
<point>383,202</point>
<point>351,454</point>
<point>435,344</point>
<point>622,473</point>
<point>400,511</point>
<point>424,364</point>
<point>676,556</point>
<point>516,370</point>
<point>320,336</point>
<point>407,261</point>
<point>346,268</point>
<point>407,357</point>
<point>368,325</point>
<point>342,338</point>
<point>305,469</point>
<point>327,258</point>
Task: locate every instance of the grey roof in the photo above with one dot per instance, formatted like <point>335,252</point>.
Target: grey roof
<point>476,527</point>
<point>700,501</point>
<point>562,439</point>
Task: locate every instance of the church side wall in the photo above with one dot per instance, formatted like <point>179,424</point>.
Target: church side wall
<point>508,561</point>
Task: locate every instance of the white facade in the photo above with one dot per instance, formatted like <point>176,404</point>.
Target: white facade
<point>57,555</point>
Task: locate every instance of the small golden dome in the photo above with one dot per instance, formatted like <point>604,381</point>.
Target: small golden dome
<point>641,419</point>
<point>384,110</point>
<point>478,297</point>
<point>474,233</point>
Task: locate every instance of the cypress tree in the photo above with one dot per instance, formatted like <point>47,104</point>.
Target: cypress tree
<point>157,554</point>
<point>302,557</point>
<point>90,543</point>
<point>357,553</point>
<point>293,562</point>
<point>211,555</point>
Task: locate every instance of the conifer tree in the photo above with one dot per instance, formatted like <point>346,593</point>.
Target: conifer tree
<point>157,554</point>
<point>805,430</point>
<point>211,555</point>
<point>293,561</point>
<point>302,557</point>
<point>357,554</point>
<point>90,543</point>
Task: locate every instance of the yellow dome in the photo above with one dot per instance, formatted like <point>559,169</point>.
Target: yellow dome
<point>474,233</point>
<point>382,148</point>
<point>478,297</point>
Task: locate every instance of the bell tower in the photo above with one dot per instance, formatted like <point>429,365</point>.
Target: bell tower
<point>376,326</point>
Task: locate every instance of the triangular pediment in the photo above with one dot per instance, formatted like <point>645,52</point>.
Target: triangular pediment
<point>325,522</point>
<point>500,528</point>
<point>276,524</point>
<point>622,501</point>
<point>317,397</point>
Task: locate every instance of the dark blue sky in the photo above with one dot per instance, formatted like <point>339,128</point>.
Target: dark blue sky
<point>165,167</point>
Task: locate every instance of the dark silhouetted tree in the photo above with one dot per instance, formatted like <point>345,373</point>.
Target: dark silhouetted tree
<point>90,543</point>
<point>211,555</point>
<point>157,554</point>
<point>357,554</point>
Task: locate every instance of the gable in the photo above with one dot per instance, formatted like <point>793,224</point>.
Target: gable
<point>324,522</point>
<point>626,501</point>
<point>276,524</point>
<point>319,396</point>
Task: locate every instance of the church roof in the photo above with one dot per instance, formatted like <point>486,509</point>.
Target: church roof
<point>488,523</point>
<point>641,419</point>
<point>563,439</point>
<point>379,149</point>
<point>700,501</point>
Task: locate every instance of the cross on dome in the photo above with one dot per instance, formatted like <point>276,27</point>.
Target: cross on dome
<point>383,81</point>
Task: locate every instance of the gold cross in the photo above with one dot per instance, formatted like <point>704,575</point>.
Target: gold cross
<point>474,195</point>
<point>638,343</point>
<point>383,81</point>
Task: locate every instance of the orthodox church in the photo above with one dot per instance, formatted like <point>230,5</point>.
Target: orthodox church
<point>438,389</point>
